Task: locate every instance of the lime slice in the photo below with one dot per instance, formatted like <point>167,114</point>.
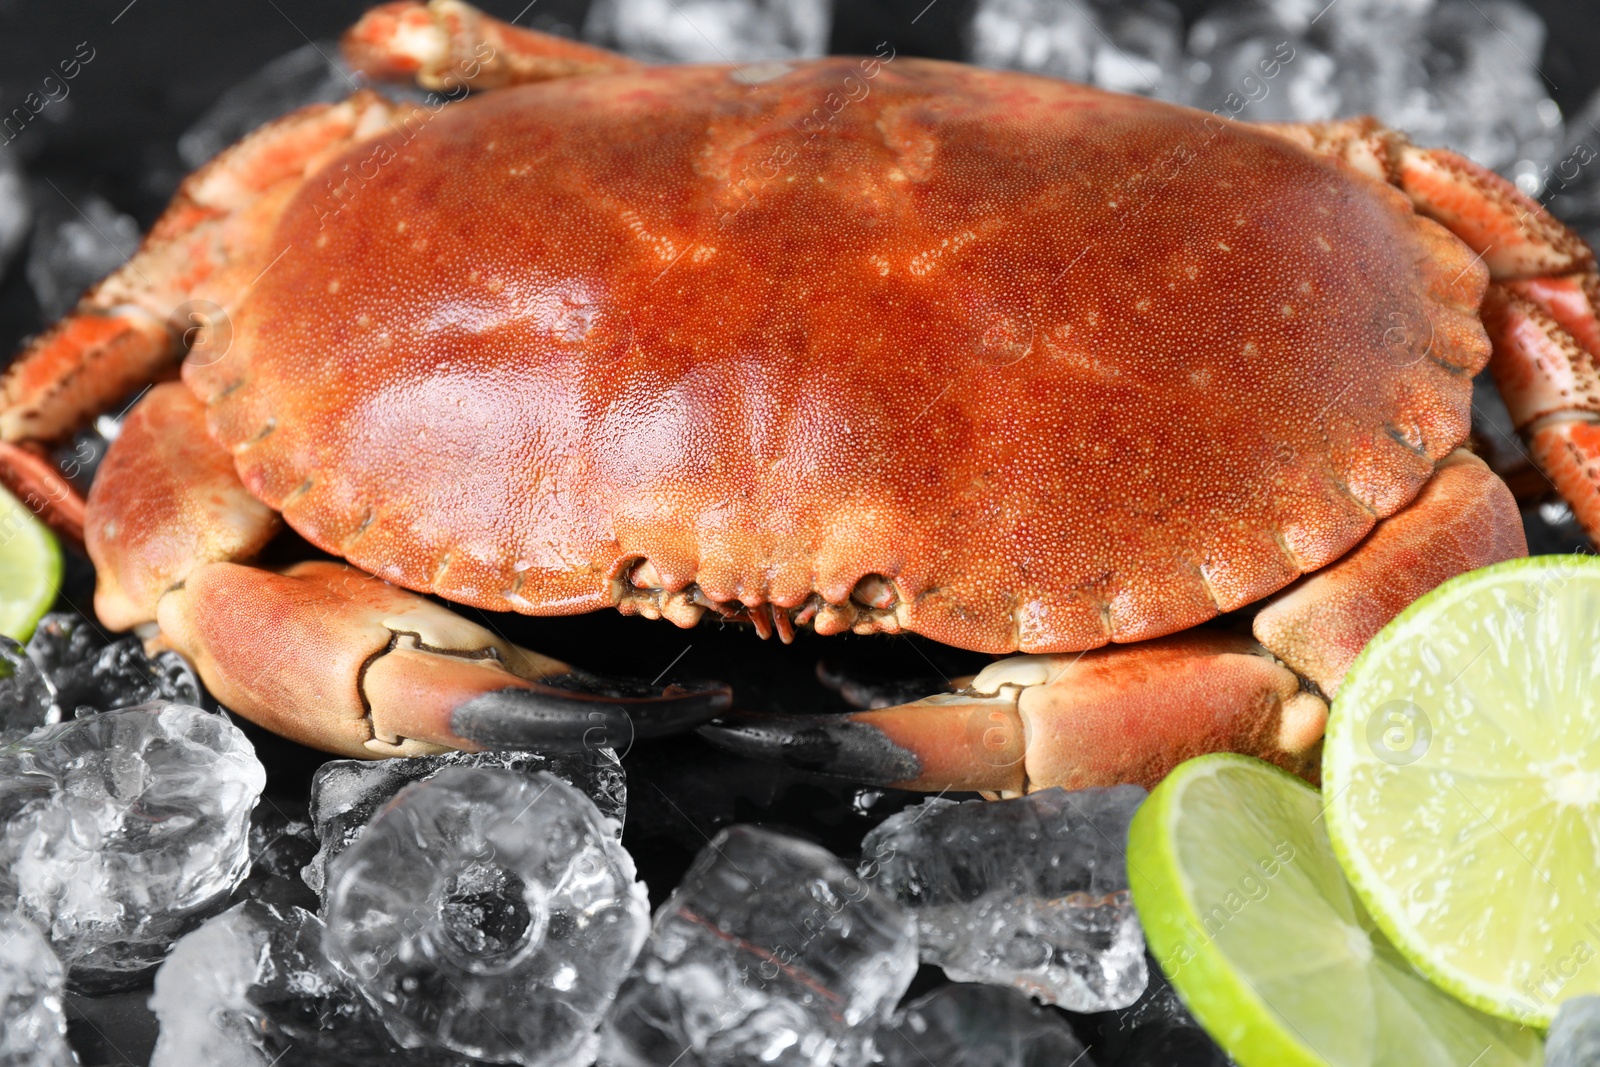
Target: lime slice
<point>1246,910</point>
<point>30,569</point>
<point>1462,765</point>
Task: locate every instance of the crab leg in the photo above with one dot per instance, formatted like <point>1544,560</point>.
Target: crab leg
<point>334,658</point>
<point>201,258</point>
<point>321,652</point>
<point>446,44</point>
<point>1547,343</point>
<point>1131,713</point>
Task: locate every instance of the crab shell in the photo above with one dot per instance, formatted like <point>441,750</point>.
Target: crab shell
<point>1011,363</point>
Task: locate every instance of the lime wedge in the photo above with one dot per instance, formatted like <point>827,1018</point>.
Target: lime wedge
<point>30,569</point>
<point>1462,766</point>
<point>1246,910</point>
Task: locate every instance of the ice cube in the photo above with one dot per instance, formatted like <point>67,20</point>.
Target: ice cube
<point>769,951</point>
<point>1140,48</point>
<point>202,989</point>
<point>711,31</point>
<point>1481,69</point>
<point>252,987</point>
<point>33,1030</point>
<point>281,844</point>
<point>1041,36</point>
<point>15,213</point>
<point>119,832</point>
<point>488,912</point>
<point>1131,47</point>
<point>1574,1038</point>
<point>1031,892</point>
<point>63,639</point>
<point>89,673</point>
<point>313,73</point>
<point>1157,1031</point>
<point>1457,73</point>
<point>26,699</point>
<point>75,244</point>
<point>978,1026</point>
<point>345,794</point>
<point>1248,64</point>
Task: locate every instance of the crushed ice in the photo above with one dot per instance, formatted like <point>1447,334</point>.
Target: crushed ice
<point>346,794</point>
<point>1458,73</point>
<point>711,31</point>
<point>119,831</point>
<point>1031,892</point>
<point>33,1029</point>
<point>488,912</point>
<point>769,951</point>
<point>86,671</point>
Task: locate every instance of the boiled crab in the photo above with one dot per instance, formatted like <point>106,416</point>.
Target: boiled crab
<point>875,345</point>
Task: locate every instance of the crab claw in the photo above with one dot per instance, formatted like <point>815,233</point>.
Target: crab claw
<point>337,659</point>
<point>1129,713</point>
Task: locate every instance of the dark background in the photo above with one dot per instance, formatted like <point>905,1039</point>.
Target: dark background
<point>159,63</point>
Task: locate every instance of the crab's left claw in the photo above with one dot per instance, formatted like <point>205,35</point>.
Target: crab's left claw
<point>333,657</point>
<point>1123,714</point>
<point>1130,713</point>
<point>322,652</point>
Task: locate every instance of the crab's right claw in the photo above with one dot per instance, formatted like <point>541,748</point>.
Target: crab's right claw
<point>342,661</point>
<point>1128,713</point>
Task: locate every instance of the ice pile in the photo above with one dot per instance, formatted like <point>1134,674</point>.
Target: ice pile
<point>978,1026</point>
<point>1458,73</point>
<point>85,671</point>
<point>488,912</point>
<point>1031,892</point>
<point>75,244</point>
<point>346,794</point>
<point>119,831</point>
<point>1574,1039</point>
<point>710,31</point>
<point>253,988</point>
<point>769,951</point>
<point>15,214</point>
<point>33,1030</point>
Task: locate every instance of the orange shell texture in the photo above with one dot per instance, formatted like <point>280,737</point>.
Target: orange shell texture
<point>1063,367</point>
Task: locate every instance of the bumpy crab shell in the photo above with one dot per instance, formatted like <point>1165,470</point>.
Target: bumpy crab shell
<point>1007,362</point>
